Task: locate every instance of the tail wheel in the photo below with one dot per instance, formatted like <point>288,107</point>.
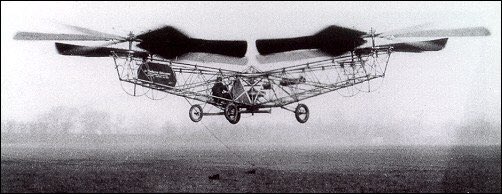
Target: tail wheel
<point>232,113</point>
<point>195,113</point>
<point>302,113</point>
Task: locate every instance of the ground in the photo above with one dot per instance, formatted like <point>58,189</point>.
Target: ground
<point>128,168</point>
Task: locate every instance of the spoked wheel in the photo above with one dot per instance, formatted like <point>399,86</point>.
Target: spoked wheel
<point>302,113</point>
<point>195,113</point>
<point>232,113</point>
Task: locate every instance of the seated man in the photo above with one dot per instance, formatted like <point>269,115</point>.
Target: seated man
<point>220,90</point>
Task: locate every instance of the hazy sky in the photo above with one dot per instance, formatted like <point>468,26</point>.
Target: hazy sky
<point>456,85</point>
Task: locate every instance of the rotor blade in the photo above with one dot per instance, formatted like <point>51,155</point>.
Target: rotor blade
<point>291,56</point>
<point>158,29</point>
<point>271,46</point>
<point>85,51</point>
<point>473,31</point>
<point>334,40</point>
<point>413,47</point>
<point>231,48</point>
<point>49,36</point>
<point>169,42</point>
<point>213,58</point>
<point>420,46</point>
<point>405,30</point>
<point>94,32</point>
<point>82,49</point>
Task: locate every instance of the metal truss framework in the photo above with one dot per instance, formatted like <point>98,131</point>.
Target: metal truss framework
<point>262,89</point>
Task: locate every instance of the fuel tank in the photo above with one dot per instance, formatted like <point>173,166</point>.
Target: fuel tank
<point>157,73</point>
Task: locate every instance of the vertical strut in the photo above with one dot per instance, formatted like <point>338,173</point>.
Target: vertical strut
<point>372,38</point>
<point>135,89</point>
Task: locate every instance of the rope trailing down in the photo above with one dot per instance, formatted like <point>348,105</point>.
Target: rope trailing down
<point>228,148</point>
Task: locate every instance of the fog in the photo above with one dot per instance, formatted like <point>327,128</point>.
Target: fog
<point>66,125</point>
<point>450,97</point>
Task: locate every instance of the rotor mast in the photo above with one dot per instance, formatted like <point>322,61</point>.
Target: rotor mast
<point>372,32</point>
<point>130,39</point>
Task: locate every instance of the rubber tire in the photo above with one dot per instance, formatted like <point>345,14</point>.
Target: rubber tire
<point>193,108</point>
<point>227,116</point>
<point>297,113</point>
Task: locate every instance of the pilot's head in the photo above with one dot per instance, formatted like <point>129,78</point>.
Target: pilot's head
<point>219,79</point>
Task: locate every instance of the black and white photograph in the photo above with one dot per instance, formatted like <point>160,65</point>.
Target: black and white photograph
<point>239,97</point>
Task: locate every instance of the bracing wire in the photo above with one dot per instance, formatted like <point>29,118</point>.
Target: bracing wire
<point>228,148</point>
<point>153,98</point>
<point>128,93</point>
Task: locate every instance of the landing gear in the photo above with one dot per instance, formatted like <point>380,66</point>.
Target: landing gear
<point>232,113</point>
<point>302,113</point>
<point>195,113</point>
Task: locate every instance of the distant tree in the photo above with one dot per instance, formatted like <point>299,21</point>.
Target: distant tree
<point>41,126</point>
<point>23,127</point>
<point>142,126</point>
<point>8,126</point>
<point>118,124</point>
<point>58,120</point>
<point>32,126</point>
<point>95,122</point>
<point>478,132</point>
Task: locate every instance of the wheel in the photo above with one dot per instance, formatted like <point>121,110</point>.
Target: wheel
<point>302,113</point>
<point>195,113</point>
<point>232,113</point>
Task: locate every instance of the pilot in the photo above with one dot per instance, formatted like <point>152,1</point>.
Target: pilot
<point>220,90</point>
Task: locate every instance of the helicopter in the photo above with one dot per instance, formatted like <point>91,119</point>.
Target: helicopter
<point>352,61</point>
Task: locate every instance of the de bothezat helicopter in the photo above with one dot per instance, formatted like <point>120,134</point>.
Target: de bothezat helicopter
<point>351,61</point>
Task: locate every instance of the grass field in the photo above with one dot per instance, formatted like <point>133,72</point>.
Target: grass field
<point>128,168</point>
